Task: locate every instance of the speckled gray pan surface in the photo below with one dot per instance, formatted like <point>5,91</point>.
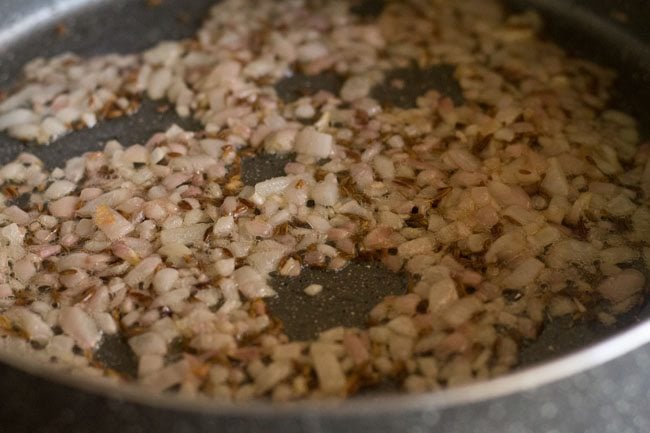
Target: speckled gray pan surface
<point>613,397</point>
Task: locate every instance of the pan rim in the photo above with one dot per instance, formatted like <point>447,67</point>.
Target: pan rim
<point>34,16</point>
<point>526,379</point>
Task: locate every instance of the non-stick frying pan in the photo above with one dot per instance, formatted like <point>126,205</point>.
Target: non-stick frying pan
<point>560,386</point>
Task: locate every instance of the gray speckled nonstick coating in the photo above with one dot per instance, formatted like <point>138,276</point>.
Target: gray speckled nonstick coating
<point>416,83</point>
<point>128,26</point>
<point>258,168</point>
<point>299,85</point>
<point>346,299</point>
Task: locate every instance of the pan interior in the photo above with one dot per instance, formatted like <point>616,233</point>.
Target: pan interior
<point>96,27</point>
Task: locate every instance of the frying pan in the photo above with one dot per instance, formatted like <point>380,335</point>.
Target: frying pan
<point>576,377</point>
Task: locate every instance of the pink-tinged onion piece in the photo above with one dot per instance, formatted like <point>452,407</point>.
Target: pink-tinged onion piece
<point>622,286</point>
<point>271,376</point>
<point>331,378</point>
<point>272,186</point>
<point>555,182</point>
<point>251,283</point>
<point>169,376</point>
<point>64,207</point>
<point>462,310</point>
<point>441,294</point>
<point>356,87</point>
<point>187,235</point>
<point>17,215</point>
<point>76,323</point>
<point>356,348</point>
<point>14,235</point>
<point>114,225</point>
<point>164,280</point>
<point>126,253</point>
<point>58,189</point>
<point>24,269</point>
<point>111,199</point>
<point>314,143</point>
<point>267,260</point>
<point>149,343</point>
<point>143,271</point>
<point>31,323</point>
<point>524,274</point>
<point>416,246</point>
<point>379,238</point>
<point>326,193</point>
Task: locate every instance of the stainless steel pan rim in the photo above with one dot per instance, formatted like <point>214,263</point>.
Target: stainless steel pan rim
<point>520,381</point>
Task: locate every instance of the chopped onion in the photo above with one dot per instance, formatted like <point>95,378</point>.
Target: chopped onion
<point>114,225</point>
<point>32,324</point>
<point>187,235</point>
<point>143,271</point>
<point>251,283</point>
<point>59,189</point>
<point>80,326</point>
<point>330,375</point>
<point>314,143</point>
<point>622,286</point>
